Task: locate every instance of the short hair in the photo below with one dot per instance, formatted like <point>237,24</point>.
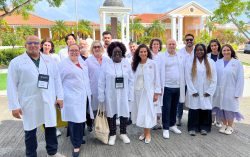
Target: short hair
<point>67,37</point>
<point>52,45</point>
<point>106,33</point>
<point>155,39</point>
<point>189,34</point>
<point>73,45</point>
<point>233,54</point>
<point>209,50</point>
<point>132,42</point>
<point>115,44</point>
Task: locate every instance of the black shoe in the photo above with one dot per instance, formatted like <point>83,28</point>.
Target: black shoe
<point>178,122</point>
<point>83,141</point>
<point>75,154</point>
<point>129,122</point>
<point>90,129</point>
<point>203,132</point>
<point>192,133</point>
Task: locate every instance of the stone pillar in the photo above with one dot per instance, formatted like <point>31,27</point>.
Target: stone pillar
<point>50,33</point>
<point>173,27</point>
<point>93,34</point>
<point>39,33</point>
<point>202,25</point>
<point>114,27</point>
<point>102,23</point>
<point>180,29</point>
<point>122,28</point>
<point>127,28</point>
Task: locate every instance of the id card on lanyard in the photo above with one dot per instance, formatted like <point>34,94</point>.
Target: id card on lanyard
<point>43,81</point>
<point>119,81</point>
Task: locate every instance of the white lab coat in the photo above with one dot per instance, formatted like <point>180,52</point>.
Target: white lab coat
<point>76,87</point>
<point>143,111</point>
<point>94,69</point>
<point>200,85</point>
<point>116,100</point>
<point>37,104</point>
<point>63,53</point>
<point>230,85</point>
<point>161,61</point>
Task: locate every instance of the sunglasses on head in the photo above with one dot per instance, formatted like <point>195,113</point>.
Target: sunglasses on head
<point>189,39</point>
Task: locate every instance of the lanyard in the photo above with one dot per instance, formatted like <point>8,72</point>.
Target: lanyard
<point>115,69</point>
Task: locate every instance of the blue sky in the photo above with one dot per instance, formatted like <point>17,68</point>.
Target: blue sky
<point>88,9</point>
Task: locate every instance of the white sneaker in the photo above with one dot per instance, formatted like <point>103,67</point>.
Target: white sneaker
<point>223,129</point>
<point>165,133</point>
<point>56,155</point>
<point>125,138</point>
<point>58,132</point>
<point>229,130</point>
<point>142,137</point>
<point>175,129</point>
<point>112,140</point>
<point>218,124</point>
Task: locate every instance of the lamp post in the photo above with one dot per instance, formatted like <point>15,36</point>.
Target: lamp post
<point>132,31</point>
<point>76,12</point>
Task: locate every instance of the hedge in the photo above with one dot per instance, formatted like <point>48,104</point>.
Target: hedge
<point>6,55</point>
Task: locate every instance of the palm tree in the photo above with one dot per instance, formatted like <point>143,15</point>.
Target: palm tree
<point>157,29</point>
<point>210,25</point>
<point>84,28</point>
<point>138,29</point>
<point>59,30</point>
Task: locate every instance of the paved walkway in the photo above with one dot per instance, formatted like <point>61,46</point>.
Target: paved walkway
<point>214,144</point>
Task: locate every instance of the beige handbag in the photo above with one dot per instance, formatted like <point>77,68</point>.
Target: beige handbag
<point>101,126</point>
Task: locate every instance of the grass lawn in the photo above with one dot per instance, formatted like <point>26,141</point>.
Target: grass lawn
<point>3,81</point>
<point>244,63</point>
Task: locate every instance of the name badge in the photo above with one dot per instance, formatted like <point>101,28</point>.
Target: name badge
<point>43,81</point>
<point>119,82</point>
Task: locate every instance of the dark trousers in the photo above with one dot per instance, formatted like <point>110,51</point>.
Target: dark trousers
<point>112,125</point>
<point>50,139</point>
<point>179,113</point>
<point>199,120</point>
<point>76,133</point>
<point>170,101</point>
<point>89,121</point>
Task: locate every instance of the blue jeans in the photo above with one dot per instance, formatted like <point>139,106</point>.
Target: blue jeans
<point>180,108</point>
<point>31,141</point>
<point>170,101</point>
<point>76,133</point>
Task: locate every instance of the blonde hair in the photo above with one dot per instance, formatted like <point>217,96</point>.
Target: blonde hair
<point>96,42</point>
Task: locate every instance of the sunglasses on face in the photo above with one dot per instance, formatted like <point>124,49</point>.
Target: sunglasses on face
<point>30,43</point>
<point>96,47</point>
<point>189,40</point>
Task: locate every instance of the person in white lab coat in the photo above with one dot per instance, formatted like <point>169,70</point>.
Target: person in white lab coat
<point>147,89</point>
<point>95,63</point>
<point>188,53</point>
<point>213,50</point>
<point>155,47</point>
<point>47,48</point>
<point>107,39</point>
<point>69,39</point>
<point>172,85</point>
<point>76,87</point>
<point>115,90</point>
<point>230,84</point>
<point>201,79</point>
<point>33,85</point>
<point>132,47</point>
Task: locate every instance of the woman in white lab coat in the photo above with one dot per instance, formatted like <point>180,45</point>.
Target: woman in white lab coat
<point>95,63</point>
<point>201,81</point>
<point>156,46</point>
<point>147,89</point>
<point>75,82</point>
<point>229,88</point>
<point>115,90</point>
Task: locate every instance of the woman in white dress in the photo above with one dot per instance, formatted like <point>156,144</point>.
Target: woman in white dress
<point>229,88</point>
<point>115,90</point>
<point>201,82</point>
<point>147,89</point>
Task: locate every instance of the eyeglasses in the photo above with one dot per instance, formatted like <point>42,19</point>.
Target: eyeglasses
<point>34,42</point>
<point>189,39</point>
<point>96,47</point>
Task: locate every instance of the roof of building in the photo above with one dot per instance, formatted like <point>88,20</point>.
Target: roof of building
<point>147,17</point>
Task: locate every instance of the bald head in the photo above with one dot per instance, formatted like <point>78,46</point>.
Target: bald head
<point>171,46</point>
<point>32,45</point>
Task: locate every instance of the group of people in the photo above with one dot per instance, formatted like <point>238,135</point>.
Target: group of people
<point>142,85</point>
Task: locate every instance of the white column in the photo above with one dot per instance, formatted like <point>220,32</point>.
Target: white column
<point>50,34</point>
<point>202,18</point>
<point>104,21</point>
<point>127,28</point>
<point>93,37</point>
<point>180,29</point>
<point>39,33</point>
<point>173,27</point>
<point>14,29</point>
<point>122,27</point>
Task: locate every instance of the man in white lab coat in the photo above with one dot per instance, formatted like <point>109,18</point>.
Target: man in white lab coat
<point>33,85</point>
<point>172,85</point>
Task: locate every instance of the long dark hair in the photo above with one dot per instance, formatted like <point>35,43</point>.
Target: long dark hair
<point>207,65</point>
<point>233,54</point>
<point>137,58</point>
<point>209,50</point>
<point>52,45</point>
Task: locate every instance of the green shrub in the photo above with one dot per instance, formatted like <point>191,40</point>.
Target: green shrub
<point>6,55</point>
